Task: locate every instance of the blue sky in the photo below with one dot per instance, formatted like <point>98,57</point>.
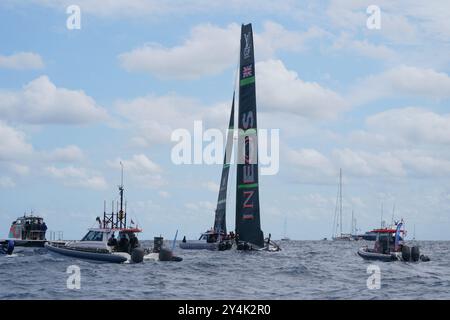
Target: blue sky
<point>73,103</point>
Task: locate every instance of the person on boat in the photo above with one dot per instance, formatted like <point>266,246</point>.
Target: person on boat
<point>124,243</point>
<point>27,230</point>
<point>134,242</point>
<point>38,230</point>
<point>99,222</point>
<point>43,230</point>
<point>112,241</point>
<point>184,239</point>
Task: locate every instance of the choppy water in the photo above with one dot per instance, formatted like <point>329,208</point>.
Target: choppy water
<point>303,270</point>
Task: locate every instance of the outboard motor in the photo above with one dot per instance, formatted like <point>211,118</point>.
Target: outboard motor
<point>406,253</point>
<point>165,255</point>
<point>158,242</point>
<point>415,254</point>
<point>137,255</point>
<point>424,258</point>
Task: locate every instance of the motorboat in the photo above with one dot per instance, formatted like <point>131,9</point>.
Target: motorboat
<point>208,240</point>
<point>100,244</point>
<point>389,247</point>
<point>28,231</point>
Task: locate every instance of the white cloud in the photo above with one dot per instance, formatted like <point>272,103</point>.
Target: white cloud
<point>402,81</point>
<point>424,164</point>
<point>412,125</point>
<point>70,153</point>
<point>281,90</point>
<point>210,49</point>
<point>162,9</point>
<point>164,194</point>
<point>6,182</point>
<point>363,48</point>
<point>41,102</point>
<point>20,169</point>
<point>77,177</point>
<point>155,117</point>
<point>22,61</point>
<point>361,163</point>
<point>309,166</point>
<point>201,206</point>
<point>141,169</point>
<point>13,144</point>
<point>211,186</point>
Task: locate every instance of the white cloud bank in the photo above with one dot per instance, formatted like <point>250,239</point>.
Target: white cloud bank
<point>141,169</point>
<point>210,49</point>
<point>281,90</point>
<point>77,177</point>
<point>399,82</point>
<point>13,144</point>
<point>41,102</point>
<point>22,61</point>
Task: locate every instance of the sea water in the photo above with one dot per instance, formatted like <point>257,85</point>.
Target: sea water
<point>302,270</point>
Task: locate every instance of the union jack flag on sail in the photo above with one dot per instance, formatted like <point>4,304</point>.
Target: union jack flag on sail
<point>247,71</point>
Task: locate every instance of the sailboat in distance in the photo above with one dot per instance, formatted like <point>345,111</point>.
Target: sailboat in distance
<point>337,225</point>
<point>285,237</point>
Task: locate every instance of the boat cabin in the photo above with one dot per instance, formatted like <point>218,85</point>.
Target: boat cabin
<point>209,237</point>
<point>385,241</point>
<point>28,228</point>
<point>125,241</point>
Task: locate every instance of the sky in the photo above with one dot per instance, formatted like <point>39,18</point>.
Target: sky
<point>74,103</point>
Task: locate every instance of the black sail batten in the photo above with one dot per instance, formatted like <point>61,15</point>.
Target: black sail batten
<point>248,225</point>
<point>220,217</point>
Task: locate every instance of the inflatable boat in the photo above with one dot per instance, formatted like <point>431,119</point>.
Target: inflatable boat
<point>95,254</point>
<point>389,247</point>
<point>369,254</point>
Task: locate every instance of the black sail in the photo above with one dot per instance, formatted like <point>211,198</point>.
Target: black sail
<point>248,225</point>
<point>220,218</point>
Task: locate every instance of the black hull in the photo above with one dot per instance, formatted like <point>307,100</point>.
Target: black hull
<point>30,243</point>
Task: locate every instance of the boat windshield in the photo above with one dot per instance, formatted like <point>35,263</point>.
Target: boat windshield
<point>93,236</point>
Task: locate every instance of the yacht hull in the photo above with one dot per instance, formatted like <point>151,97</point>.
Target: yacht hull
<point>199,245</point>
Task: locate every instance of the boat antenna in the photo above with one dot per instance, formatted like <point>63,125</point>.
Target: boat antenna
<point>104,213</point>
<point>381,222</point>
<point>393,211</point>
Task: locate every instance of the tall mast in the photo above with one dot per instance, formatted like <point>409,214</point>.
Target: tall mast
<point>121,215</point>
<point>353,226</point>
<point>248,224</point>
<point>340,200</point>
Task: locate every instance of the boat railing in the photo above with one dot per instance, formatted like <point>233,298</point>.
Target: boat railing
<point>55,235</point>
